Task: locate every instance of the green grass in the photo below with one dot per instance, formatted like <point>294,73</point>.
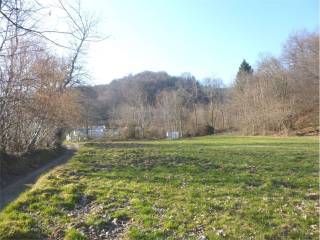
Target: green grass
<point>222,187</point>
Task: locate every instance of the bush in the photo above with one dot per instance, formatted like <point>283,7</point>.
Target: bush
<point>209,130</point>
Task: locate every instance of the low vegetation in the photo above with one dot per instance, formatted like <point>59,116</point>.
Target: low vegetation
<point>202,188</point>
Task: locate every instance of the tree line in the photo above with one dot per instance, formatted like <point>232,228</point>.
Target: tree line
<point>279,96</point>
<point>282,94</point>
<point>37,100</point>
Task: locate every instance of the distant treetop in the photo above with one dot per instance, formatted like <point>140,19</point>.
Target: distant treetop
<point>245,67</point>
<point>242,76</point>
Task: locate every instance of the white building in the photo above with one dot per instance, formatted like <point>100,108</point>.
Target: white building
<point>80,134</point>
<point>96,131</point>
<point>172,135</point>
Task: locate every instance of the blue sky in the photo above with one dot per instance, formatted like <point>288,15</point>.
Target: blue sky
<point>203,37</point>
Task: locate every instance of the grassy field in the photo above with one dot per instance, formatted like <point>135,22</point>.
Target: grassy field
<point>222,187</point>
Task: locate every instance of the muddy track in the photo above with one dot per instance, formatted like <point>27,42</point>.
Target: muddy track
<point>12,191</point>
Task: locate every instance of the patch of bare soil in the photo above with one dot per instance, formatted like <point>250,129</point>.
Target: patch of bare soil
<point>107,229</point>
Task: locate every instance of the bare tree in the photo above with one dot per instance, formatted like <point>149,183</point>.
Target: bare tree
<point>214,92</point>
<point>36,97</point>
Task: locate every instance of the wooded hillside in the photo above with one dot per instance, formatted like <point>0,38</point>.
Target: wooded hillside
<point>279,96</point>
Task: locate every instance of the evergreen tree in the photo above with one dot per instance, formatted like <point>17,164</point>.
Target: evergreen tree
<point>245,68</point>
<point>242,76</point>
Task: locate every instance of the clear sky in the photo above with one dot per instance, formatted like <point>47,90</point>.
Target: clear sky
<point>203,37</point>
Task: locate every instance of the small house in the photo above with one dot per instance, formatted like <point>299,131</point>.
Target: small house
<point>172,135</point>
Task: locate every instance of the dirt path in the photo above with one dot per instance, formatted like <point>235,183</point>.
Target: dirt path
<point>12,191</point>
